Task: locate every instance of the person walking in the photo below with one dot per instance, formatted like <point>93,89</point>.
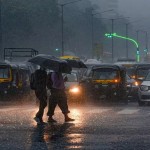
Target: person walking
<point>40,76</point>
<point>58,96</point>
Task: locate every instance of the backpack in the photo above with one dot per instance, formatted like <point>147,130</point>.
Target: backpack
<point>32,81</point>
<point>49,81</point>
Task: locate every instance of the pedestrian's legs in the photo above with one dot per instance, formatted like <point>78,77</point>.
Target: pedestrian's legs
<point>51,107</point>
<point>62,103</point>
<point>42,96</point>
<point>42,106</point>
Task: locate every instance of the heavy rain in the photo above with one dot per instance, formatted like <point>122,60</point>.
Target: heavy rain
<point>74,74</point>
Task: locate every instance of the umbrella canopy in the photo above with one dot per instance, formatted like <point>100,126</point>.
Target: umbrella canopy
<point>51,62</point>
<point>75,63</point>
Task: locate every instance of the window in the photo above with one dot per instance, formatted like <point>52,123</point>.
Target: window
<point>105,74</point>
<point>148,77</point>
<point>72,77</point>
<point>4,73</point>
<point>141,73</point>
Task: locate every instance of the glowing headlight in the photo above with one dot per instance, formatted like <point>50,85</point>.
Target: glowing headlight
<point>133,77</point>
<point>136,83</point>
<point>74,90</point>
<point>144,88</point>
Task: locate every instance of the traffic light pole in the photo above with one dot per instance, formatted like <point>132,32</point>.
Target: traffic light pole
<point>126,38</point>
<point>112,40</point>
<point>127,41</point>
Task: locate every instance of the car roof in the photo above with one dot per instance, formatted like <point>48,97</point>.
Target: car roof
<point>4,64</point>
<point>115,66</point>
<point>141,65</point>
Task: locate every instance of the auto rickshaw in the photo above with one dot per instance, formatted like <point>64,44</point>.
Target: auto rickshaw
<point>13,78</point>
<point>105,82</point>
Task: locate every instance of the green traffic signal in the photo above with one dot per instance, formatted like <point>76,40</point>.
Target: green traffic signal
<point>127,38</point>
<point>109,35</point>
<point>138,52</point>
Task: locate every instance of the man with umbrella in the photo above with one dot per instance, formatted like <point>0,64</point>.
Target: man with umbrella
<point>58,96</point>
<point>40,76</point>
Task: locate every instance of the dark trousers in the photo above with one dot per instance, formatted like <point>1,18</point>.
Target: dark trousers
<point>42,97</point>
<point>58,97</point>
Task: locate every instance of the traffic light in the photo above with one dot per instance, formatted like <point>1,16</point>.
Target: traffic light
<point>56,49</point>
<point>110,35</point>
<point>138,55</point>
<point>138,52</point>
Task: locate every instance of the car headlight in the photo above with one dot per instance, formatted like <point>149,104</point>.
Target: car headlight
<point>74,90</point>
<point>144,88</point>
<point>136,83</point>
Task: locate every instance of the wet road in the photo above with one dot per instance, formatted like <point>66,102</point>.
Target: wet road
<point>122,127</point>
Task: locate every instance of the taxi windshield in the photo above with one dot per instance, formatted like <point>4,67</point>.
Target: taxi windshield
<point>105,74</point>
<point>72,77</point>
<point>147,77</point>
<point>141,73</point>
<point>4,73</point>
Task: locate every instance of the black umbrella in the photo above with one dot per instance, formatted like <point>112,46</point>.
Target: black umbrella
<point>75,63</point>
<point>51,62</point>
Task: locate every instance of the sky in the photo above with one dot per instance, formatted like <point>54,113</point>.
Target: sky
<point>135,9</point>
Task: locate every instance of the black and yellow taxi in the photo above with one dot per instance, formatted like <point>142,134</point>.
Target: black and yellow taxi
<point>13,77</point>
<point>105,81</point>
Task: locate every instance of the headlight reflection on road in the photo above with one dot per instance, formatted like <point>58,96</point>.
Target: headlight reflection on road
<point>75,112</point>
<point>75,140</point>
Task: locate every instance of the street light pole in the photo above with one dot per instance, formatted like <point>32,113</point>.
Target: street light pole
<point>146,39</point>
<point>62,21</point>
<point>127,48</point>
<point>92,15</point>
<point>112,27</point>
<point>92,36</point>
<point>62,28</point>
<point>1,42</point>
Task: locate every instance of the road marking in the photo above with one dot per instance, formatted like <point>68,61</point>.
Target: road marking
<point>128,111</point>
<point>100,110</point>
